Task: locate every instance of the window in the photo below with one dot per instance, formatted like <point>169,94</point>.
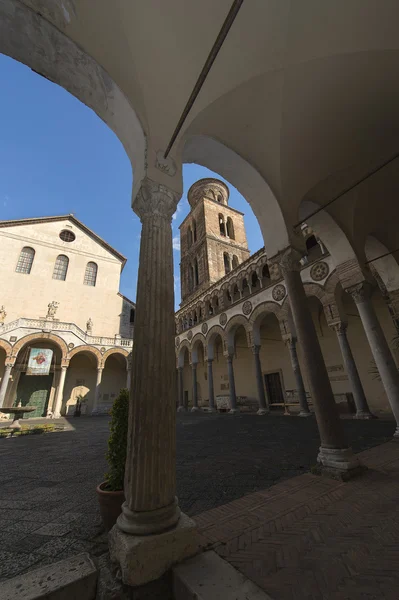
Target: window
<point>189,237</point>
<point>222,227</point>
<point>230,228</point>
<point>90,274</point>
<point>196,280</point>
<point>226,260</point>
<point>67,236</point>
<point>25,260</point>
<point>61,267</point>
<point>194,231</point>
<point>132,315</point>
<point>235,261</point>
<point>311,242</point>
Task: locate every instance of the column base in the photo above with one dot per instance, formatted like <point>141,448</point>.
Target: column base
<point>208,409</point>
<point>396,434</point>
<point>194,409</point>
<point>146,558</point>
<point>234,411</point>
<point>364,415</point>
<point>339,463</point>
<point>181,409</point>
<point>263,411</point>
<point>148,522</point>
<point>305,413</point>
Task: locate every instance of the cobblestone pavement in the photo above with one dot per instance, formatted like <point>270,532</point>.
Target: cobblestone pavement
<point>47,483</point>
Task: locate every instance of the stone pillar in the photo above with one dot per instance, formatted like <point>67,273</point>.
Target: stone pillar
<point>386,366</point>
<point>263,408</point>
<point>334,453</point>
<point>97,390</point>
<point>362,408</point>
<point>128,378</point>
<point>303,401</point>
<point>150,478</point>
<point>211,390</point>
<point>180,408</point>
<point>4,383</point>
<point>60,393</point>
<point>232,385</point>
<point>195,388</point>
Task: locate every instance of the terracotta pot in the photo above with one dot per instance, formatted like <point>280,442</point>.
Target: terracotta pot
<point>110,505</point>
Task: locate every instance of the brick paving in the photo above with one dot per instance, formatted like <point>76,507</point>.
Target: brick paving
<point>48,503</point>
<point>314,538</point>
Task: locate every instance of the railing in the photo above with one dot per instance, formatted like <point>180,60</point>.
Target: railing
<point>53,325</point>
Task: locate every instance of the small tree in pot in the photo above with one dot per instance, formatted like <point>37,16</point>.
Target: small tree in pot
<point>110,492</point>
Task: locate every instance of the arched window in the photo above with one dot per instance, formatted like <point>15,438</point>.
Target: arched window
<point>222,227</point>
<point>190,278</point>
<point>313,248</point>
<point>25,260</point>
<point>61,267</point>
<point>227,265</point>
<point>235,261</point>
<point>132,312</point>
<point>196,277</point>
<point>189,237</point>
<point>194,231</point>
<point>90,274</point>
<point>311,242</point>
<point>230,228</point>
<point>254,281</point>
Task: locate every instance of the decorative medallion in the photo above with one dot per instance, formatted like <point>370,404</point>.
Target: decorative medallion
<point>204,328</point>
<point>13,338</point>
<point>70,346</point>
<point>102,350</point>
<point>319,271</point>
<point>177,342</point>
<point>189,335</point>
<point>223,319</point>
<point>247,307</point>
<point>279,292</point>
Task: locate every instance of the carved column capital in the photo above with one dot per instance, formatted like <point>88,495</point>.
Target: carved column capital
<point>339,328</point>
<point>287,260</point>
<point>360,292</point>
<point>255,349</point>
<point>155,199</point>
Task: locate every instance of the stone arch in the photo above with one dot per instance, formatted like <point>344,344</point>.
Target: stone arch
<point>258,315</point>
<point>387,267</point>
<point>32,39</point>
<point>313,289</point>
<point>184,344</point>
<point>111,351</point>
<point>33,337</point>
<point>209,152</point>
<point>234,323</point>
<point>7,348</point>
<point>197,339</point>
<point>90,349</point>
<point>213,333</point>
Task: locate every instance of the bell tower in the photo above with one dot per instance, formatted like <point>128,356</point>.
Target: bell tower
<point>213,241</point>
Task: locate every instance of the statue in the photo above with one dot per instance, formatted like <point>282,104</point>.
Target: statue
<point>52,309</point>
<point>3,314</point>
<point>89,326</point>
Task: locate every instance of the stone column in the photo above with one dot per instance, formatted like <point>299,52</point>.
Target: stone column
<point>60,393</point>
<point>150,478</point>
<point>334,452</point>
<point>195,389</point>
<point>232,385</point>
<point>303,401</point>
<point>386,366</point>
<point>263,408</point>
<point>212,407</point>
<point>180,408</point>
<point>4,383</point>
<point>97,390</point>
<point>128,378</point>
<point>362,408</point>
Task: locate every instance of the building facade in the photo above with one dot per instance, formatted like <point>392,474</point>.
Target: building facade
<point>59,285</point>
<point>236,343</point>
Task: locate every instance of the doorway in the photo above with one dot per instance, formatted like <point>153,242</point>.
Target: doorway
<point>34,390</point>
<point>274,389</point>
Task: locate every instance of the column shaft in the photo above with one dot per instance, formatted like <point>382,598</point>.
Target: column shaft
<point>97,390</point>
<point>128,378</point>
<point>232,385</point>
<point>150,476</point>
<point>180,408</point>
<point>60,393</point>
<point>263,408</point>
<point>362,408</point>
<point>195,388</point>
<point>211,390</point>
<point>379,346</point>
<point>4,383</point>
<point>303,401</point>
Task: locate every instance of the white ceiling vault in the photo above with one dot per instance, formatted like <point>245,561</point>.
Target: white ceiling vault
<point>300,103</point>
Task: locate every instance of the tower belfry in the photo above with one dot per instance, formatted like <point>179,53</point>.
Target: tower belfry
<point>213,241</point>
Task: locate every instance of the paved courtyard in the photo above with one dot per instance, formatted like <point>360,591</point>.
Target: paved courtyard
<point>47,483</point>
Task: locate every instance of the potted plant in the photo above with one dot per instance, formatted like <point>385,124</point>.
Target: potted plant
<point>110,491</point>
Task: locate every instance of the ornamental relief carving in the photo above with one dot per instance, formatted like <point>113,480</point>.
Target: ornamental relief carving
<point>319,271</point>
<point>279,292</point>
<point>204,328</point>
<point>247,307</point>
<point>177,342</point>
<point>155,199</point>
<point>223,319</point>
<point>189,335</point>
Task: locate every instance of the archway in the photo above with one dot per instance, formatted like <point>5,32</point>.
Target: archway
<point>80,382</point>
<point>198,357</point>
<point>114,378</point>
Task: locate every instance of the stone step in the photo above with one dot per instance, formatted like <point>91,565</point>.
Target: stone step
<point>208,577</point>
<point>74,578</point>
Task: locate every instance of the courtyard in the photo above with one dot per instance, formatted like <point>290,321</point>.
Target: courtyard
<point>48,502</point>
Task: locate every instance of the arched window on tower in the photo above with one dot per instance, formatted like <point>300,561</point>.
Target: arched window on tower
<point>190,278</point>
<point>230,228</point>
<point>222,226</point>
<point>194,231</point>
<point>196,280</point>
<point>61,267</point>
<point>90,274</point>
<point>227,265</point>
<point>25,260</point>
<point>235,261</point>
<point>189,237</point>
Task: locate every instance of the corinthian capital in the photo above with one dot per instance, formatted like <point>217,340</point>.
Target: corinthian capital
<point>155,199</point>
<point>288,260</point>
<point>360,292</point>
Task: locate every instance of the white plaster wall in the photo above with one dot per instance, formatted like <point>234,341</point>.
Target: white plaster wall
<point>28,295</point>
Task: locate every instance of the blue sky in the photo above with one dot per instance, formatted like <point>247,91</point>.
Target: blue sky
<point>58,157</point>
